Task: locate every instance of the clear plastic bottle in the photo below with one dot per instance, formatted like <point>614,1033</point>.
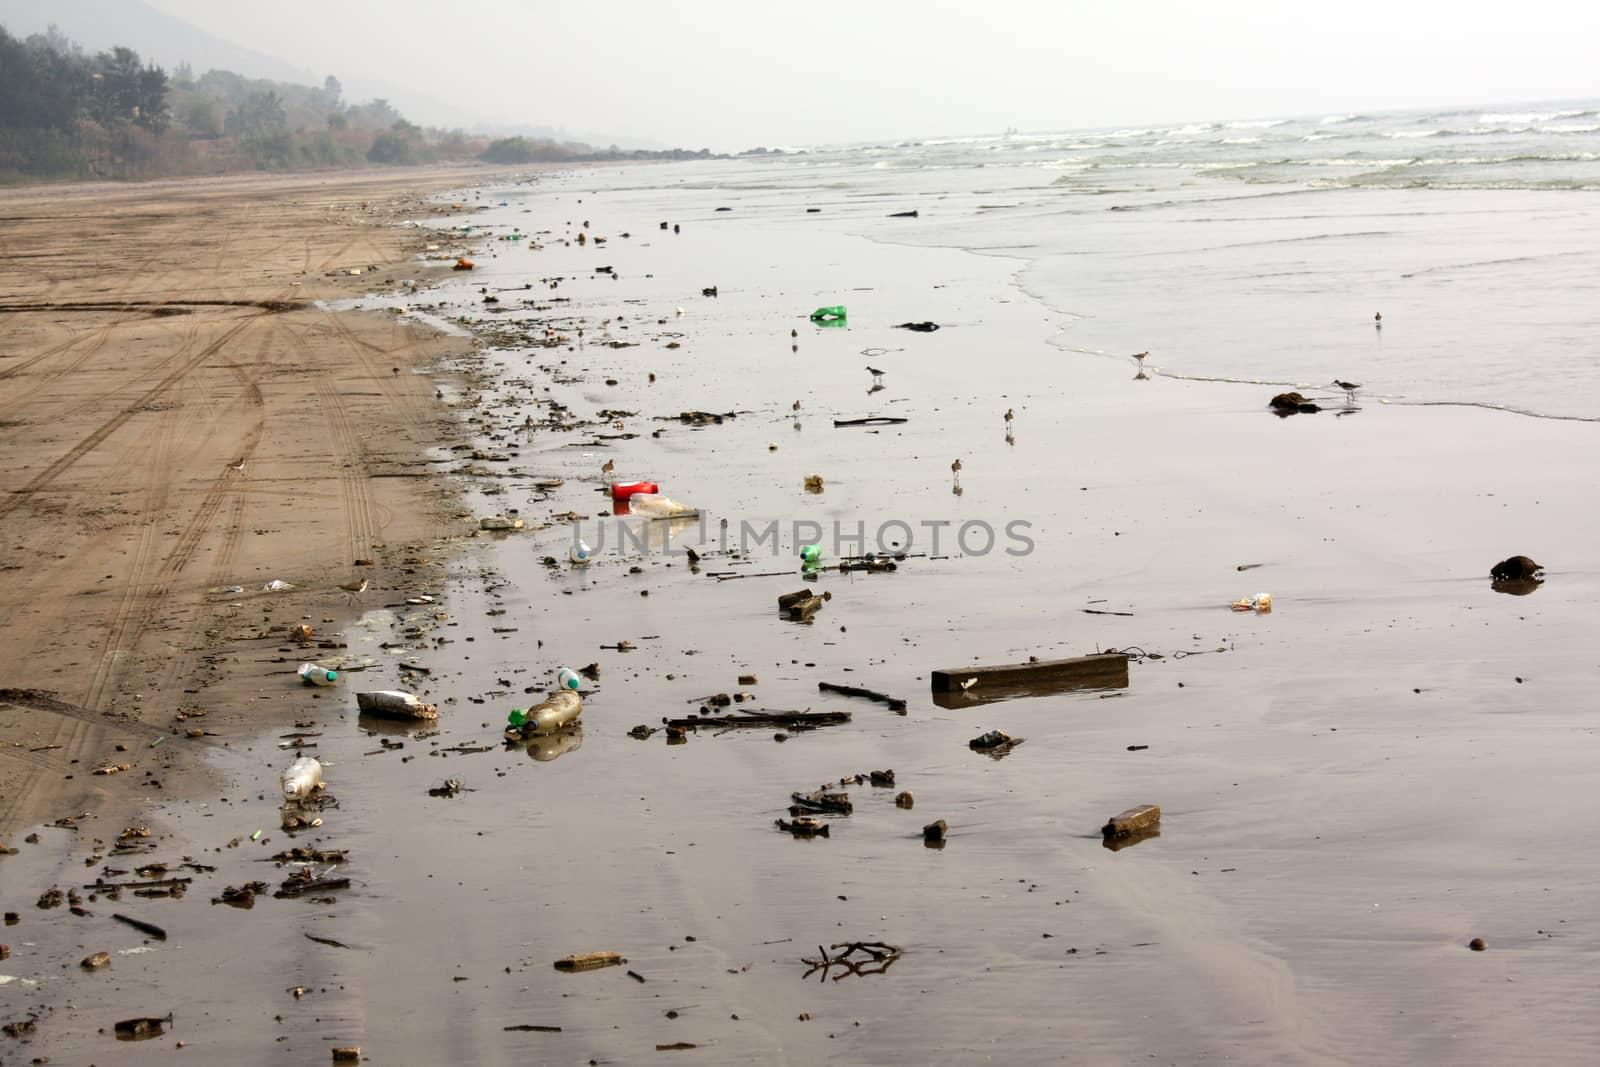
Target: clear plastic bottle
<point>561,708</point>
<point>301,778</point>
<point>580,552</point>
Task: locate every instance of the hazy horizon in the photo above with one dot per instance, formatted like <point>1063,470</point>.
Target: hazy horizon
<point>729,76</point>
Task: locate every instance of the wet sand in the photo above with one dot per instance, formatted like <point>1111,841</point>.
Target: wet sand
<point>1391,763</point>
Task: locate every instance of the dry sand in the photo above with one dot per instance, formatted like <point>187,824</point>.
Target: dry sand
<point>152,338</point>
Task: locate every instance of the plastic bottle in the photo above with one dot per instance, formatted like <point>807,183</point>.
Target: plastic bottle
<point>568,678</point>
<point>580,553</point>
<point>656,506</point>
<point>623,490</point>
<point>562,707</point>
<point>810,554</point>
<point>301,778</point>
<point>313,674</point>
<point>822,314</point>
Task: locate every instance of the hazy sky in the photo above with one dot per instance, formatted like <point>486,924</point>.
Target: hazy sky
<point>731,74</point>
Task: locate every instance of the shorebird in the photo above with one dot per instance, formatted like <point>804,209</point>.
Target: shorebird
<point>608,466</point>
<point>1349,389</point>
<point>797,405</point>
<point>955,468</point>
<point>875,372</point>
<point>1009,416</point>
<point>355,589</point>
<point>1140,355</point>
<point>237,465</point>
<point>1377,317</point>
<point>794,333</point>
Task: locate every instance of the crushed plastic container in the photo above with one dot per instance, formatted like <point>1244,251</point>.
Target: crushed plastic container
<point>624,490</point>
<point>301,778</point>
<point>316,674</point>
<point>656,506</point>
<point>1260,603</point>
<point>395,704</point>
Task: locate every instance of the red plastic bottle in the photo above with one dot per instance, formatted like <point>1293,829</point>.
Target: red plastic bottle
<point>623,490</point>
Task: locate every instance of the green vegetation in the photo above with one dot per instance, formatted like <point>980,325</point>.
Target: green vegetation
<point>66,114</point>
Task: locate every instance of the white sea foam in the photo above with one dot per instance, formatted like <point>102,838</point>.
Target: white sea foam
<point>1240,140</point>
<point>1256,124</point>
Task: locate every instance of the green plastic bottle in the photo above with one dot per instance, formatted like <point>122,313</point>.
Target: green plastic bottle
<point>829,313</point>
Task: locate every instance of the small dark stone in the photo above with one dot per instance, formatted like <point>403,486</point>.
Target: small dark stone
<point>1477,944</point>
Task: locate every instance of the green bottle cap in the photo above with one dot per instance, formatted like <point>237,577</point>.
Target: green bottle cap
<point>517,717</point>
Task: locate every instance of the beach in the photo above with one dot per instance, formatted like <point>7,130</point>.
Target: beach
<point>1390,763</point>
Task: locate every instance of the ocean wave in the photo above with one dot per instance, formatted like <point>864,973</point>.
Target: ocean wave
<point>1569,129</point>
<point>1406,135</point>
<point>1256,124</point>
<point>1240,140</point>
<point>1529,117</point>
<point>1335,120</point>
<point>1319,136</point>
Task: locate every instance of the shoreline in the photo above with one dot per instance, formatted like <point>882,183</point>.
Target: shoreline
<point>122,422</point>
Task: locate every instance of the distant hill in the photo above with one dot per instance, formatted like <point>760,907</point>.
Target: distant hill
<point>99,25</point>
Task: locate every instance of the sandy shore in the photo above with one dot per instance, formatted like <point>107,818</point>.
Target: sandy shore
<point>1354,786</point>
<point>178,417</point>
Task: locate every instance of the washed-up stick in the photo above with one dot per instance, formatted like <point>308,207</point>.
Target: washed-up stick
<point>160,883</point>
<point>728,576</point>
<point>765,718</point>
<point>588,961</point>
<point>143,927</point>
<point>529,1027</point>
<point>295,889</point>
<point>876,420</point>
<point>894,703</point>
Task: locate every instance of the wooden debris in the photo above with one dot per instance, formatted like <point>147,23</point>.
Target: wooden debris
<point>894,703</point>
<point>589,961</point>
<point>305,881</point>
<point>876,958</point>
<point>140,1029</point>
<point>822,800</point>
<point>805,826</point>
<point>874,420</point>
<point>995,743</point>
<point>142,926</point>
<point>963,686</point>
<point>351,1053</point>
<point>531,1028</point>
<point>794,720</point>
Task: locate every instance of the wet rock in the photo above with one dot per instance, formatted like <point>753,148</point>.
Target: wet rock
<point>1477,944</point>
<point>904,800</point>
<point>52,898</point>
<point>1292,403</point>
<point>95,961</point>
<point>935,831</point>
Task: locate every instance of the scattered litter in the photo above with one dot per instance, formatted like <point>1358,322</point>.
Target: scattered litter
<point>141,1029</point>
<point>143,927</point>
<point>836,313</point>
<point>500,523</point>
<point>1260,603</point>
<point>276,586</point>
<point>1140,820</point>
<point>995,743</point>
<point>302,778</point>
<point>804,826</point>
<point>656,506</point>
<point>395,704</point>
<point>560,709</point>
<point>918,327</point>
<point>589,961</point>
<point>315,674</point>
<point>624,490</point>
<point>870,420</point>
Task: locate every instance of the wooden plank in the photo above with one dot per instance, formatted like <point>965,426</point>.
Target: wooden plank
<point>1106,670</point>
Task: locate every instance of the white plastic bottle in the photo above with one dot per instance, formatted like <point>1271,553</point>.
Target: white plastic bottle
<point>301,778</point>
<point>580,553</point>
<point>314,674</point>
<point>568,678</point>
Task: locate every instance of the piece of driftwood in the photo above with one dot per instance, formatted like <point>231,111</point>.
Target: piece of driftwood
<point>876,958</point>
<point>801,611</point>
<point>805,826</point>
<point>154,883</point>
<point>822,800</point>
<point>143,927</point>
<point>533,1029</point>
<point>588,961</point>
<point>295,887</point>
<point>894,703</point>
<point>787,719</point>
<point>874,420</point>
<point>965,686</point>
